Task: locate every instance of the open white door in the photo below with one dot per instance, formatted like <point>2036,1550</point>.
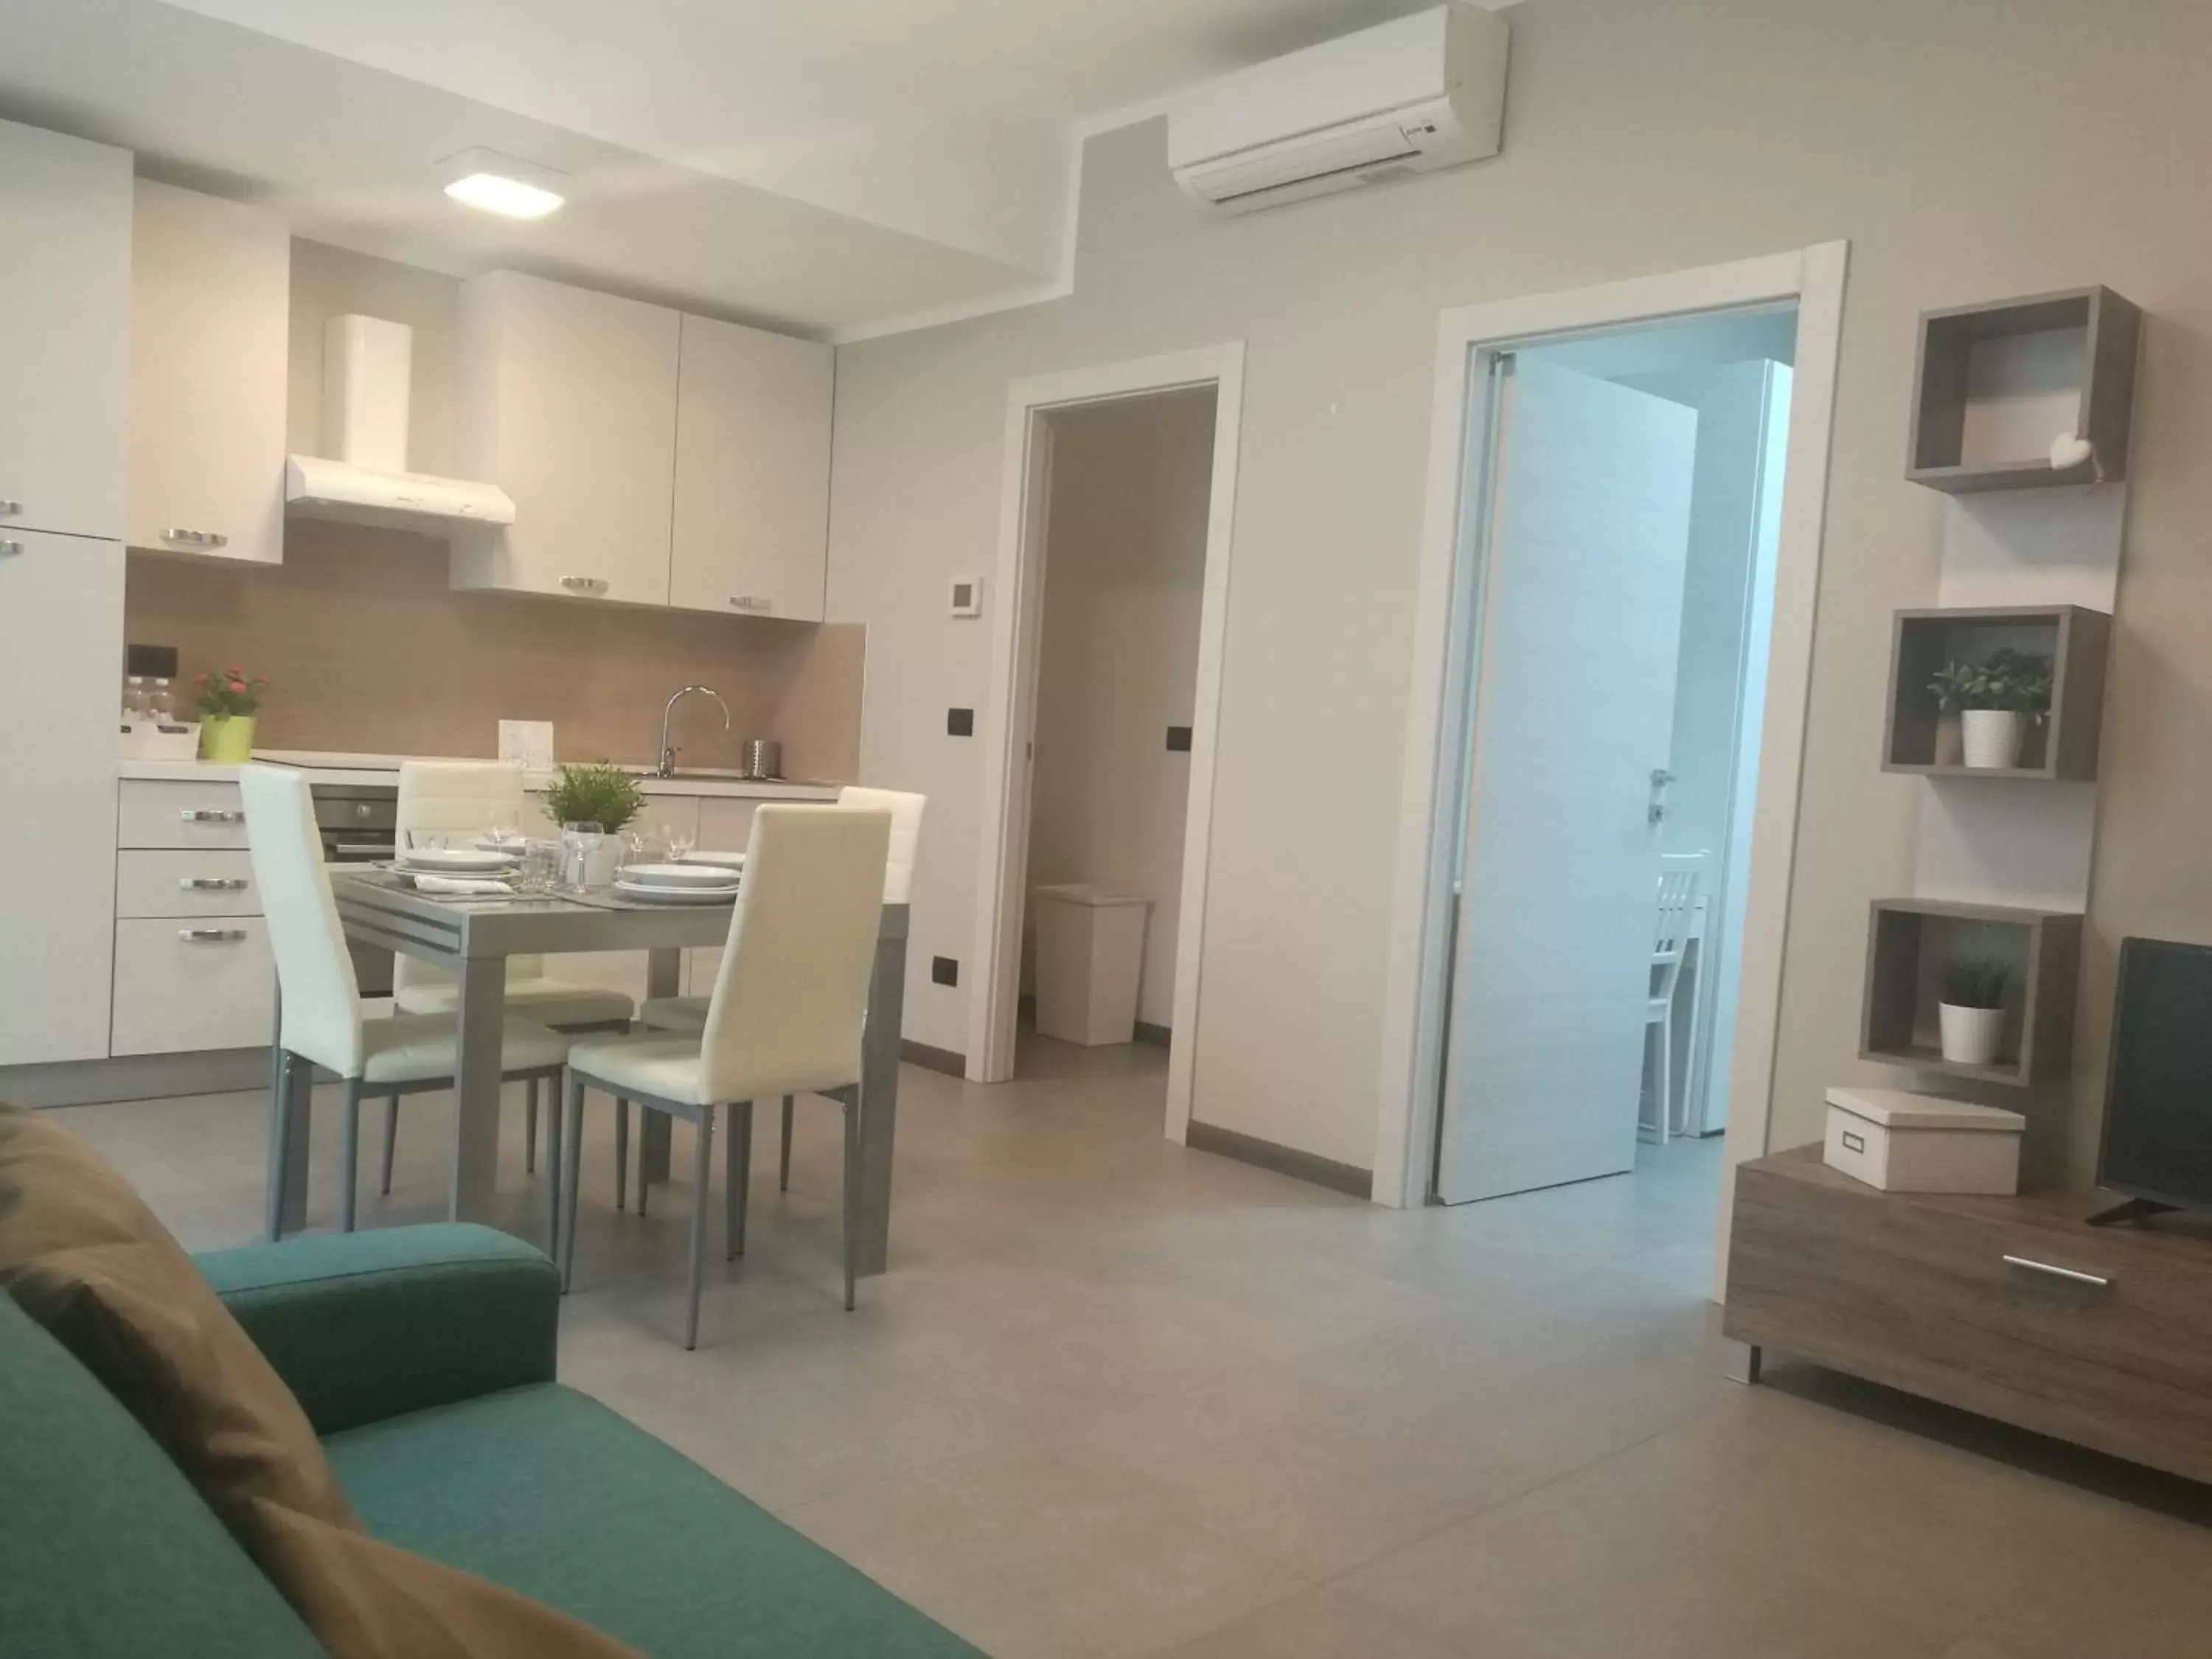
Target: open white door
<point>1588,519</point>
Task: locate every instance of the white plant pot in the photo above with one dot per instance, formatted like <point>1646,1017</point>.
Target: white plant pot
<point>1991,736</point>
<point>1970,1035</point>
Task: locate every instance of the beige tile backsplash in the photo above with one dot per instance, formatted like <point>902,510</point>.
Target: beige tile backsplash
<point>368,651</point>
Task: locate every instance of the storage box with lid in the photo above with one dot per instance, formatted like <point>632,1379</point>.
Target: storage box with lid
<point>1908,1143</point>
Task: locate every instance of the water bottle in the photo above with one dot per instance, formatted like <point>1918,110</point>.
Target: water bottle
<point>133,699</point>
<point>160,706</point>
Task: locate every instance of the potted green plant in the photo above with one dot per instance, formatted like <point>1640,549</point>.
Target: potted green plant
<point>228,702</point>
<point>1994,701</point>
<point>598,799</point>
<point>1970,993</point>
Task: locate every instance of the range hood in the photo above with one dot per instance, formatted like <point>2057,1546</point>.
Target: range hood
<point>316,488</point>
<point>367,368</point>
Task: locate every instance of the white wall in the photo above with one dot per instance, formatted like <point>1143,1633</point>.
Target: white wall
<point>1964,158</point>
<point>1125,574</point>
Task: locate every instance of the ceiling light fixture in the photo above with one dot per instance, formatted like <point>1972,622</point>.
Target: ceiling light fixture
<point>484,179</point>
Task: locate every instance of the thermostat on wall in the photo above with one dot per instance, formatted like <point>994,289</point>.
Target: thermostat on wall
<point>967,596</point>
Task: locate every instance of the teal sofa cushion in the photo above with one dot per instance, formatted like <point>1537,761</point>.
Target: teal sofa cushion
<point>367,1326</point>
<point>105,1548</point>
<point>547,1492</point>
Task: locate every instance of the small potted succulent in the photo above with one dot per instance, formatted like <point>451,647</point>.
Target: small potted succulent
<point>1994,701</point>
<point>1970,993</point>
<point>228,702</point>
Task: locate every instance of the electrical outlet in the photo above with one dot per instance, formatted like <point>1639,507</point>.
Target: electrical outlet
<point>959,722</point>
<point>944,971</point>
<point>968,596</point>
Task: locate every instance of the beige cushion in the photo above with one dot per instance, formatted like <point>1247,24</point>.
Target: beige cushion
<point>547,1001</point>
<point>80,1254</point>
<point>675,1013</point>
<point>416,1047</point>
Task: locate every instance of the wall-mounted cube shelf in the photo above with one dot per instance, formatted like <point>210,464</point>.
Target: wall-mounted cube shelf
<point>1917,737</point>
<point>1907,940</point>
<point>1997,384</point>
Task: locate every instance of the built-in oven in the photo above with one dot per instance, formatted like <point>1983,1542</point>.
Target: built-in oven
<point>359,824</point>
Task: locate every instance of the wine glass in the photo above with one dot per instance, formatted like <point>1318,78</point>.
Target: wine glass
<point>680,842</point>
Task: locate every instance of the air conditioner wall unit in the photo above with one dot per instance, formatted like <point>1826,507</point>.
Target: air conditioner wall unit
<point>1412,95</point>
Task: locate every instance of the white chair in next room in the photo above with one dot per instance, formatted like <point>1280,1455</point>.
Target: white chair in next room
<point>1680,877</point>
<point>789,1004</point>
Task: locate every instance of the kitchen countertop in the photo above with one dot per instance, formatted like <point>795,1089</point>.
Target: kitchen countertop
<point>328,767</point>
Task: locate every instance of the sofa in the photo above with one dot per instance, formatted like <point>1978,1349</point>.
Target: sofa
<point>424,1357</point>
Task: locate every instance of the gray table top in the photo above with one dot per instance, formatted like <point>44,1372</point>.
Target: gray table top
<point>377,906</point>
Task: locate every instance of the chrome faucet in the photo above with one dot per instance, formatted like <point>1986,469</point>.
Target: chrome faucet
<point>667,768</point>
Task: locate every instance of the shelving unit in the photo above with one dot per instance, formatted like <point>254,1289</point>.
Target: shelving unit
<point>1997,384</point>
<point>2061,747</point>
<point>1907,940</point>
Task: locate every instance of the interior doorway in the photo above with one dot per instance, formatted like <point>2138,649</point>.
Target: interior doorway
<point>1109,424</point>
<point>1625,503</point>
<point>1124,577</point>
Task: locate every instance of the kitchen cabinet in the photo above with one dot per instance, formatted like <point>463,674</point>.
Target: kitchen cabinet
<point>210,329</point>
<point>752,472</point>
<point>568,402</point>
<point>188,813</point>
<point>65,224</point>
<point>182,984</point>
<point>61,629</point>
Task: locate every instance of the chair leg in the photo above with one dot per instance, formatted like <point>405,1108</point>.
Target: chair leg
<point>391,1138</point>
<point>783,1151</point>
<point>350,1156</point>
<point>702,1164</point>
<point>574,1137</point>
<point>555,1155</point>
<point>622,1159</point>
<point>529,1129</point>
<point>1662,1093</point>
<point>737,1178</point>
<point>852,1185</point>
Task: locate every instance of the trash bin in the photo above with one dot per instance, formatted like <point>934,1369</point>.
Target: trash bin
<point>1090,951</point>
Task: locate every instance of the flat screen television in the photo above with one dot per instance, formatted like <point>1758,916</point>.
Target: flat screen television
<point>2158,1098</point>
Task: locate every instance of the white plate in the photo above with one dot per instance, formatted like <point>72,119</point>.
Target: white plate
<point>680,875</point>
<point>725,860</point>
<point>676,894</point>
<point>511,847</point>
<point>448,859</point>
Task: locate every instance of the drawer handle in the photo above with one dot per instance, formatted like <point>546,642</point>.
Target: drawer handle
<point>584,584</point>
<point>211,815</point>
<point>2071,1275</point>
<point>212,883</point>
<point>750,602</point>
<point>211,935</point>
<point>196,538</point>
<point>8,509</point>
<point>10,550</point>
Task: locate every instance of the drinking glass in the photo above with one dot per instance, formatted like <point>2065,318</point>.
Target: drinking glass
<point>426,841</point>
<point>680,842</point>
<point>579,841</point>
<point>504,832</point>
<point>541,866</point>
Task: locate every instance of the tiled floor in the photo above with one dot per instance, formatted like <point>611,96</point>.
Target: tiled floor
<point>1120,1399</point>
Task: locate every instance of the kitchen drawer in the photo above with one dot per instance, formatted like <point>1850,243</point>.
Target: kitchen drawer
<point>185,883</point>
<point>2002,1307</point>
<point>164,814</point>
<point>183,985</point>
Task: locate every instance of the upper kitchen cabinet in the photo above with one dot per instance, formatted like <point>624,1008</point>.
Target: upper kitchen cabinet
<point>65,228</point>
<point>752,472</point>
<point>210,328</point>
<point>567,403</point>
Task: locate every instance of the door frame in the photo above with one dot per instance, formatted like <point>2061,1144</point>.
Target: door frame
<point>1010,716</point>
<point>1437,720</point>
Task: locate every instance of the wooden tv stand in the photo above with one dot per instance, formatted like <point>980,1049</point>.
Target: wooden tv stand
<point>2014,1308</point>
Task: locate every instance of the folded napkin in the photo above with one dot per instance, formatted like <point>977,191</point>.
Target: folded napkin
<point>461,886</point>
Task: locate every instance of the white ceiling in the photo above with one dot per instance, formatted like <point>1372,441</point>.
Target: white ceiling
<point>828,166</point>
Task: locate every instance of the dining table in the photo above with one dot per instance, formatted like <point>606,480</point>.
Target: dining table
<point>471,938</point>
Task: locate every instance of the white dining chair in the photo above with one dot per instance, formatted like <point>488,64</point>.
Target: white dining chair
<point>321,1022</point>
<point>690,1013</point>
<point>789,1004</point>
<point>467,798</point>
<point>1680,876</point>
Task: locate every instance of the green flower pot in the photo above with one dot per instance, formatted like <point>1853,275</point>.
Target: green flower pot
<point>227,737</point>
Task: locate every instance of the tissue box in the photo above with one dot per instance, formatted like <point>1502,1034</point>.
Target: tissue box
<point>1908,1143</point>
